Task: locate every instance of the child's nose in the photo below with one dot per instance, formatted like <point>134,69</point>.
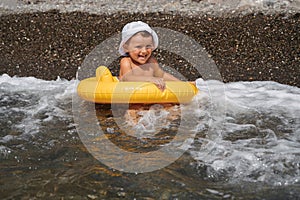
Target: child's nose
<point>144,49</point>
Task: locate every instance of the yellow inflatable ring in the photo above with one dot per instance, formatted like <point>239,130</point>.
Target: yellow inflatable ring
<point>105,88</point>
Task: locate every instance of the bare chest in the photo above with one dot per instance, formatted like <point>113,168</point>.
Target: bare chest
<point>142,70</point>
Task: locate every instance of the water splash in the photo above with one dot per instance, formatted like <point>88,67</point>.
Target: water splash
<point>259,141</point>
<point>28,105</point>
<point>256,141</point>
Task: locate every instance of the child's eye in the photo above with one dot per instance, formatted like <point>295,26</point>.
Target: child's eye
<point>149,46</point>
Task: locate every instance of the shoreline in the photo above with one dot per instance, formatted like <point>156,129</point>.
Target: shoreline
<point>252,47</point>
<point>217,8</point>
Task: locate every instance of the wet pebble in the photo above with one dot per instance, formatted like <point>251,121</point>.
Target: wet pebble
<point>244,47</point>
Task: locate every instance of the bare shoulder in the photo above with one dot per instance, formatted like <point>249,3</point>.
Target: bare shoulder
<point>125,66</point>
<point>152,60</point>
<point>125,63</point>
<point>154,63</point>
<point>125,60</point>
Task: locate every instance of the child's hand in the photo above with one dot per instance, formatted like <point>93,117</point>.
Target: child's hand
<point>159,82</point>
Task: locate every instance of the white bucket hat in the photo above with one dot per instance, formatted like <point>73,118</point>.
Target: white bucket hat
<point>132,28</point>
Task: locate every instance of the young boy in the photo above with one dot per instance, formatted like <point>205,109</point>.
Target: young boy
<point>138,64</point>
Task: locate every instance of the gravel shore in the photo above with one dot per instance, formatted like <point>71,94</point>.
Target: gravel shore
<point>245,47</point>
<point>183,7</point>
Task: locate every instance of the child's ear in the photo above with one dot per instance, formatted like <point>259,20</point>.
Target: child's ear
<point>125,47</point>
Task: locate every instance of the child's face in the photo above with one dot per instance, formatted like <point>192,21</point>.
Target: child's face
<point>139,48</point>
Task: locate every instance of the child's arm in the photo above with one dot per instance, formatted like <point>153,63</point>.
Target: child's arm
<point>169,77</point>
<point>158,72</point>
<point>125,68</point>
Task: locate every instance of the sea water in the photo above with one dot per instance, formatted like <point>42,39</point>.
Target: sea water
<point>27,106</point>
<point>259,136</point>
<point>250,134</point>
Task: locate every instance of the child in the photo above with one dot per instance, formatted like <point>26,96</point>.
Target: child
<point>138,64</point>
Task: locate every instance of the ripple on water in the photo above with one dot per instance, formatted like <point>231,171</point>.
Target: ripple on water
<point>256,141</point>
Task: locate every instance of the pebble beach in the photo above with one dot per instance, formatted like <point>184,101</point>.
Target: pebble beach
<point>248,40</point>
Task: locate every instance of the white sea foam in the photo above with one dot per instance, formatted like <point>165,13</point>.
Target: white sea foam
<point>29,102</point>
<point>256,139</point>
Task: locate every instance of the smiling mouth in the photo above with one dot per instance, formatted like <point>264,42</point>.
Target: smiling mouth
<point>143,56</point>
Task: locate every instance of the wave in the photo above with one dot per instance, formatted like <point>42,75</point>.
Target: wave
<point>245,131</point>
